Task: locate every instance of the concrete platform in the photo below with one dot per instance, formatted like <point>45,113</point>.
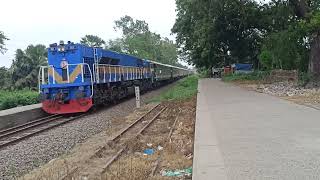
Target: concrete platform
<point>244,135</point>
<point>20,115</point>
<point>207,162</point>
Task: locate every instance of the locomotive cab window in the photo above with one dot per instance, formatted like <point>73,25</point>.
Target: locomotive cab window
<point>114,62</point>
<point>107,60</point>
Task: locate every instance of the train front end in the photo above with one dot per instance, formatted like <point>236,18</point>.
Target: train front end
<point>65,85</point>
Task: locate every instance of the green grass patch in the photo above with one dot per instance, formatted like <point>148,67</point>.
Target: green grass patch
<point>184,89</point>
<point>254,76</point>
<point>10,99</point>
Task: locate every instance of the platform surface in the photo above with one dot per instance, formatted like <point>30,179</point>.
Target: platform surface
<point>244,135</point>
<point>19,109</point>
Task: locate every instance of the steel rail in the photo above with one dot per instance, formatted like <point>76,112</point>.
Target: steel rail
<point>114,138</point>
<point>29,126</point>
<point>28,123</point>
<point>25,135</point>
<point>156,165</point>
<point>118,154</point>
<point>132,124</point>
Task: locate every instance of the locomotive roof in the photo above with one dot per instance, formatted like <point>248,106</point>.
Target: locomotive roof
<point>167,65</point>
<point>123,54</point>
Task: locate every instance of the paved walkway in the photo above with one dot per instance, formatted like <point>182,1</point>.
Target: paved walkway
<point>243,135</point>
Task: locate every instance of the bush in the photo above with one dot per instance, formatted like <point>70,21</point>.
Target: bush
<point>266,59</point>
<point>10,99</point>
<point>254,76</point>
<point>204,73</point>
<point>184,89</point>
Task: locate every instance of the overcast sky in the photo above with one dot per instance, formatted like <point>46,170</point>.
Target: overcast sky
<point>44,22</point>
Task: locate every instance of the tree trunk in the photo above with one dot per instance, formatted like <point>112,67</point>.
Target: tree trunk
<point>314,64</point>
<point>301,10</point>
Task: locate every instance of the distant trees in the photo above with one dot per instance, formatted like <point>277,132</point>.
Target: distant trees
<point>3,38</point>
<point>23,72</point>
<point>26,65</point>
<point>5,78</point>
<point>92,41</point>
<point>138,40</point>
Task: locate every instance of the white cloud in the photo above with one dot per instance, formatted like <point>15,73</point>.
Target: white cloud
<point>45,22</point>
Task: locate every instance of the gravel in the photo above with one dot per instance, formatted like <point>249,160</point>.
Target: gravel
<point>285,89</point>
<point>31,153</point>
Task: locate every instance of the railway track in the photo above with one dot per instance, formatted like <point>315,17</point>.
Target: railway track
<point>18,133</point>
<point>118,144</point>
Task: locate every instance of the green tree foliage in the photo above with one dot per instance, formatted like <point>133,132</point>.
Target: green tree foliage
<point>92,41</point>
<point>116,45</point>
<point>287,50</point>
<point>138,40</point>
<point>131,27</point>
<point>5,78</point>
<point>3,38</point>
<point>278,34</point>
<point>25,66</point>
<point>215,33</point>
<point>266,59</point>
<point>292,43</point>
<point>284,41</point>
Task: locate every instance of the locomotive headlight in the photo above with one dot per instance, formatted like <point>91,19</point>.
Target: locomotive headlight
<point>63,63</point>
<point>61,49</point>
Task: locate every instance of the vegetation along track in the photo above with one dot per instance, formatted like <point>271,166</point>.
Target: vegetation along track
<point>103,157</point>
<point>15,134</point>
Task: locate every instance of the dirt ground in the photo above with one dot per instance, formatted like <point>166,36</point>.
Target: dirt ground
<point>177,152</point>
<point>173,150</point>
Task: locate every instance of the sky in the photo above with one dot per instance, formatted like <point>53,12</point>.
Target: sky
<point>27,22</point>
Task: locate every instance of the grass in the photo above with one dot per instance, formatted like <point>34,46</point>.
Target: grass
<point>184,89</point>
<point>11,99</point>
<point>254,76</point>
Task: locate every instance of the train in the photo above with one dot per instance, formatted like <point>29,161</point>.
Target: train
<point>79,77</point>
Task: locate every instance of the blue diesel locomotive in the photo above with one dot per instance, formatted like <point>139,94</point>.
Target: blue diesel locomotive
<point>78,77</point>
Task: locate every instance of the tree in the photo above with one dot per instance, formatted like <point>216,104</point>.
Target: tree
<point>308,11</point>
<point>138,40</point>
<point>116,45</point>
<point>131,27</point>
<point>215,33</point>
<point>3,38</point>
<point>92,41</point>
<point>5,78</point>
<point>26,65</point>
<point>298,40</point>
